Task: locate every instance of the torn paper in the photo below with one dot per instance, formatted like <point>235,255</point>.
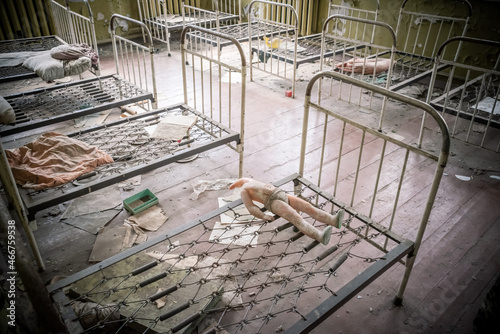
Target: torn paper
<point>97,201</point>
<point>172,127</point>
<point>204,185</point>
<point>487,104</point>
<point>150,219</point>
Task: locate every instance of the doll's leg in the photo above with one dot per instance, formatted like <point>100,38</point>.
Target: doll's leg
<point>315,213</point>
<point>285,211</point>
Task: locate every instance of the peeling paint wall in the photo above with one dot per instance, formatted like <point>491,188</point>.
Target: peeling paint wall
<point>103,9</point>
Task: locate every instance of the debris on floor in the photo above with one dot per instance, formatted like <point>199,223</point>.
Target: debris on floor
<point>129,184</point>
<point>172,127</point>
<point>204,185</point>
<point>93,211</point>
<point>150,219</point>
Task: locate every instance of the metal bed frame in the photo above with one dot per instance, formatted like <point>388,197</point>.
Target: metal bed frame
<point>71,28</point>
<point>134,152</point>
<point>154,13</point>
<point>416,49</point>
<point>208,272</point>
<point>310,48</point>
<point>363,46</point>
<point>275,19</point>
<point>133,82</point>
<point>462,89</point>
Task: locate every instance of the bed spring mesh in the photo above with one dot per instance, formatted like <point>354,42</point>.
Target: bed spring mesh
<point>242,276</point>
<point>63,99</point>
<point>30,44</point>
<point>130,145</point>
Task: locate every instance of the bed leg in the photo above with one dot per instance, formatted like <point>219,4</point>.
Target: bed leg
<point>410,260</point>
<point>10,187</point>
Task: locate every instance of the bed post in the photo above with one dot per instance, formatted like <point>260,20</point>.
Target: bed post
<point>11,189</point>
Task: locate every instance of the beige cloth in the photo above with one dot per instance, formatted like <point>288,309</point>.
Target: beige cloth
<point>7,114</point>
<point>53,159</point>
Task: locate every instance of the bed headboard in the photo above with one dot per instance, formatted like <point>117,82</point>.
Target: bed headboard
<point>421,28</point>
<point>282,20</point>
<point>135,62</point>
<point>75,28</point>
<point>369,51</point>
<point>215,83</point>
<point>467,90</point>
<point>381,178</point>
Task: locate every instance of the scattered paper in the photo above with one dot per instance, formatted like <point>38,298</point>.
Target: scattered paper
<point>92,222</point>
<point>132,182</point>
<point>172,127</point>
<point>204,185</point>
<point>162,301</point>
<point>496,177</point>
<point>150,219</point>
<point>97,201</point>
<point>463,178</point>
<point>487,104</point>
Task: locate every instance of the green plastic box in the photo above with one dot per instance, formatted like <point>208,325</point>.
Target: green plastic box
<point>140,202</point>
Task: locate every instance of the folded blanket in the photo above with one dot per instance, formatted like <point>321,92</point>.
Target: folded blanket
<point>53,159</point>
<point>7,114</point>
<point>74,51</point>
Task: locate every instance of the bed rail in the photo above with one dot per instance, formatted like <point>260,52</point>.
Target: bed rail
<point>164,17</point>
<point>135,62</point>
<point>213,84</point>
<point>284,17</point>
<point>75,28</point>
<point>468,92</point>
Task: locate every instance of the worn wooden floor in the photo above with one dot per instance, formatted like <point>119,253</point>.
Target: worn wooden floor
<point>459,258</point>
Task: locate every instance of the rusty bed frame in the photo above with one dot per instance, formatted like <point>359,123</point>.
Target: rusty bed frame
<point>164,17</point>
<point>134,152</point>
<point>416,50</point>
<point>469,92</point>
<point>311,48</point>
<point>132,83</point>
<point>273,20</point>
<point>248,276</point>
<point>71,28</point>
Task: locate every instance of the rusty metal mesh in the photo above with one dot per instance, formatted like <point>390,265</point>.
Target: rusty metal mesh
<point>232,273</point>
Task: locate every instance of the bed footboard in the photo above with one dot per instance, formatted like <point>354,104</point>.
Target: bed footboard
<point>213,84</point>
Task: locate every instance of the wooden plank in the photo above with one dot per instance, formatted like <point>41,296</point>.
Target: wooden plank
<point>33,18</point>
<point>42,17</point>
<point>14,17</point>
<point>6,25</point>
<point>25,21</point>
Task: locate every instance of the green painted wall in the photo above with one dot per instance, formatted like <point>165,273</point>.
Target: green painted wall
<point>484,22</point>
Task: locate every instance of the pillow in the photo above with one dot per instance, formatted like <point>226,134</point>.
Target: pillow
<point>77,66</point>
<point>7,114</point>
<point>45,66</point>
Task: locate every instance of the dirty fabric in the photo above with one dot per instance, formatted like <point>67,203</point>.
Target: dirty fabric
<point>53,159</point>
<point>7,114</point>
<point>49,68</point>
